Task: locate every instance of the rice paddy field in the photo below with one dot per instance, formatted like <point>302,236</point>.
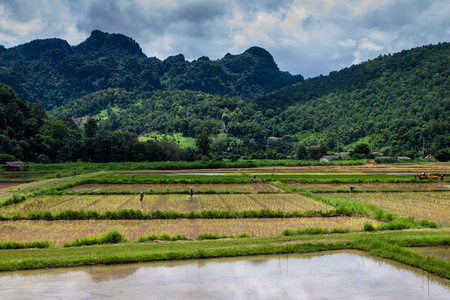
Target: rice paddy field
<point>167,202</point>
<point>373,186</point>
<point>67,230</point>
<point>282,211</point>
<point>420,205</point>
<point>238,196</point>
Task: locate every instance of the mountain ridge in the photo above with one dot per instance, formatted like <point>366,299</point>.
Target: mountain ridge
<point>107,60</point>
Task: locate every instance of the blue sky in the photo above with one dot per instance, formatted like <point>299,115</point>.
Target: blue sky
<point>308,37</point>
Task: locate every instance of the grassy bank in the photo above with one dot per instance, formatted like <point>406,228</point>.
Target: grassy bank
<point>386,244</point>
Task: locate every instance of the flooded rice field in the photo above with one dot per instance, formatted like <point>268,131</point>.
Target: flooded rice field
<point>334,275</point>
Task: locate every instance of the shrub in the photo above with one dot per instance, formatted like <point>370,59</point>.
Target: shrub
<point>43,159</point>
<point>213,236</point>
<point>162,237</point>
<point>19,245</point>
<point>313,231</point>
<point>40,215</point>
<point>14,198</point>
<point>111,237</point>
<point>428,224</point>
<point>243,235</point>
<point>399,224</point>
<point>368,227</point>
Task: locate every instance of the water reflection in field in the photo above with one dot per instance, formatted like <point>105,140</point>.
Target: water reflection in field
<point>334,275</point>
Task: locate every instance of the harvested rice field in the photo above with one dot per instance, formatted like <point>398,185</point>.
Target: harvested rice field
<point>433,206</point>
<point>167,202</point>
<point>67,231</point>
<point>375,186</point>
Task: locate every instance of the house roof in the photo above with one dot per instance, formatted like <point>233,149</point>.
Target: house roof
<point>328,157</point>
<point>15,164</point>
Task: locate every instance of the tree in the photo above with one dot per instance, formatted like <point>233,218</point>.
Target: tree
<point>361,151</point>
<point>90,128</point>
<point>301,152</point>
<point>4,157</point>
<point>316,153</point>
<point>203,144</point>
<point>443,154</point>
<point>271,154</point>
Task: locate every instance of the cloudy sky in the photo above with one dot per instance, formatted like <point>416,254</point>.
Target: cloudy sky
<point>308,37</point>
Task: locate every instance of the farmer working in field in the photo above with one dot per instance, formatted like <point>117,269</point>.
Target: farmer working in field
<point>141,196</point>
<point>191,192</point>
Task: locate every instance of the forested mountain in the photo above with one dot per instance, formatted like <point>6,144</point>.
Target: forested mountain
<point>396,103</point>
<point>52,72</point>
<point>395,100</point>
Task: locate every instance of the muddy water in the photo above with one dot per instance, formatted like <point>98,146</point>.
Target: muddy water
<point>333,275</point>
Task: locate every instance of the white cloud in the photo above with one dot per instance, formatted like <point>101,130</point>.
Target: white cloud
<point>309,37</point>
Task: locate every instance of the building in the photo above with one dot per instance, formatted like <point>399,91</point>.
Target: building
<point>403,158</point>
<point>14,166</point>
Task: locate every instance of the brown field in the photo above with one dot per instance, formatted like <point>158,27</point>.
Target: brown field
<point>404,186</point>
<point>238,187</point>
<point>67,231</point>
<point>7,185</point>
<point>433,206</point>
<point>167,202</point>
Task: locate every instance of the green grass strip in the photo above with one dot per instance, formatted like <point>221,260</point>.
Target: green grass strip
<point>129,214</point>
<point>24,245</point>
<point>111,237</point>
<point>388,245</point>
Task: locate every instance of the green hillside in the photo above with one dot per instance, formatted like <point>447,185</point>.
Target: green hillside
<point>396,103</point>
<point>399,104</point>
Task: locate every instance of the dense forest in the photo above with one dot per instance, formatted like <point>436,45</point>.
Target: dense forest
<point>398,104</point>
<point>52,72</point>
<point>26,133</point>
<point>398,101</point>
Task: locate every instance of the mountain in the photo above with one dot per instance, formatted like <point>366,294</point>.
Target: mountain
<point>52,72</point>
<point>397,103</point>
<point>101,44</point>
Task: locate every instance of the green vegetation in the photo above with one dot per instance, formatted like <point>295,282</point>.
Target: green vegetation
<point>57,73</point>
<point>387,239</point>
<point>388,245</point>
<point>111,237</point>
<point>396,104</point>
<point>129,214</point>
<point>25,245</point>
<point>161,237</point>
<point>313,231</point>
<point>335,177</point>
<point>213,236</point>
<point>385,102</point>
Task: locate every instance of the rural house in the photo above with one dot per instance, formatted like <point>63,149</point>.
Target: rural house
<point>14,166</point>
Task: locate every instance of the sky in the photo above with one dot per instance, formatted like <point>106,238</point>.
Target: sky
<point>307,37</point>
